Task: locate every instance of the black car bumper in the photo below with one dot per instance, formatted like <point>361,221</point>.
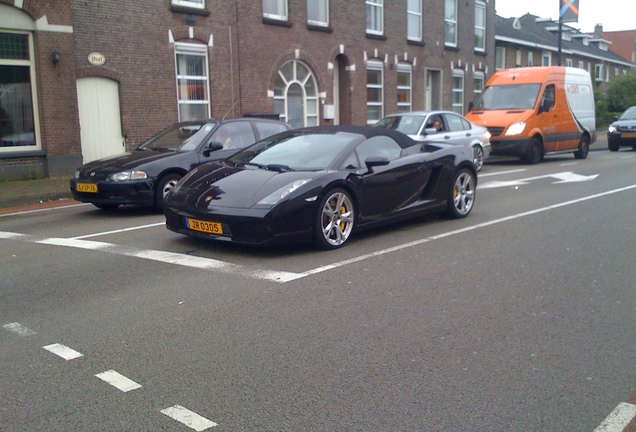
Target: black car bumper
<point>621,139</point>
<point>109,193</point>
<point>510,147</point>
<point>247,227</point>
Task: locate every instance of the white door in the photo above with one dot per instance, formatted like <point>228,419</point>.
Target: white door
<point>100,121</point>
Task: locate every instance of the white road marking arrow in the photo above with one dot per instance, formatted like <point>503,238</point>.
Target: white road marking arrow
<point>562,177</point>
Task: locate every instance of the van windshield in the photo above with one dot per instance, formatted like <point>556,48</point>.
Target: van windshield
<point>509,97</point>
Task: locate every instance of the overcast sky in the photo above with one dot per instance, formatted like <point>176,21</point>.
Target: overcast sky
<point>613,14</point>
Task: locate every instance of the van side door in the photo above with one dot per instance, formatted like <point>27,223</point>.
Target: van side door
<point>548,118</point>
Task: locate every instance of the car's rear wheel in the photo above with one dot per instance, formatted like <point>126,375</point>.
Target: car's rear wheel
<point>534,155</point>
<point>461,196</point>
<point>478,157</point>
<point>334,220</point>
<point>584,148</point>
<point>164,186</point>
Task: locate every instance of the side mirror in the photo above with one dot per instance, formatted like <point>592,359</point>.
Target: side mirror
<point>615,118</point>
<point>212,146</point>
<point>374,161</point>
<point>431,131</point>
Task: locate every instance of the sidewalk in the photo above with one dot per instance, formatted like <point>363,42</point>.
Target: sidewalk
<point>24,192</point>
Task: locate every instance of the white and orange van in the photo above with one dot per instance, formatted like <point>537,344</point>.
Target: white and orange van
<point>533,111</point>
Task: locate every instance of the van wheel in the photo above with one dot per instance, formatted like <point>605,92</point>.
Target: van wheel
<point>534,155</point>
<point>584,148</point>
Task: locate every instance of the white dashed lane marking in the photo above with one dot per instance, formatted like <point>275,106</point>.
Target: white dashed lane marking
<point>18,329</point>
<point>188,418</point>
<point>63,351</point>
<point>118,380</point>
<point>618,419</point>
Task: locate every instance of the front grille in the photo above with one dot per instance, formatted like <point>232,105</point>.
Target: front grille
<point>495,131</point>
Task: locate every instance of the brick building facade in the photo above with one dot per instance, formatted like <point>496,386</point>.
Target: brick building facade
<point>125,70</point>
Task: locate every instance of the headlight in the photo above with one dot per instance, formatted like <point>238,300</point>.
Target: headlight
<point>611,129</point>
<point>487,135</point>
<point>76,175</point>
<point>281,193</point>
<point>128,175</point>
<point>516,128</point>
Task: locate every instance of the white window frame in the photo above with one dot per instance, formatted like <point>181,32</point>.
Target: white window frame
<point>458,91</point>
<point>450,22</point>
<point>500,58</point>
<point>376,66</point>
<point>323,9</point>
<point>416,16</point>
<point>598,72</point>
<point>375,10</point>
<point>606,69</point>
<point>192,50</point>
<point>518,58</point>
<point>280,10</point>
<point>581,64</point>
<point>480,28</point>
<point>568,62</point>
<point>479,82</point>
<point>546,59</point>
<point>310,101</point>
<point>196,4</point>
<point>405,69</point>
<point>530,58</point>
<point>30,63</point>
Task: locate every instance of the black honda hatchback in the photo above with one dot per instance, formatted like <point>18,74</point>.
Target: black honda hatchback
<point>145,175</point>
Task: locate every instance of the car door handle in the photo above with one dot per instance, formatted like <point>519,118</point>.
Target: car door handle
<point>446,136</point>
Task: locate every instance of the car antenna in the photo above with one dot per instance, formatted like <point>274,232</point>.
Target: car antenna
<point>228,111</point>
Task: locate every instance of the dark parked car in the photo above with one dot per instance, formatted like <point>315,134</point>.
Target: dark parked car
<point>144,176</point>
<point>622,132</point>
<point>321,184</point>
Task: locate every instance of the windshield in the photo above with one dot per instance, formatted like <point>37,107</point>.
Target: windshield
<point>407,124</point>
<point>629,114</point>
<point>509,97</point>
<point>178,138</point>
<point>309,152</point>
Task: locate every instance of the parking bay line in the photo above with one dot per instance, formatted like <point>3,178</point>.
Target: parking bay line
<point>274,275</point>
<point>63,351</point>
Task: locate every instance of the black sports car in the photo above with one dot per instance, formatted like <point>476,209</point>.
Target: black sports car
<point>320,184</point>
<point>145,175</point>
<point>622,132</point>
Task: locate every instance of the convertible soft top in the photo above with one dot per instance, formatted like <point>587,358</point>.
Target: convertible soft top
<point>366,131</point>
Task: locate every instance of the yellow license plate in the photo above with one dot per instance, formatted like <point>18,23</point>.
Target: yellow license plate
<point>206,227</point>
<point>629,135</point>
<point>87,187</point>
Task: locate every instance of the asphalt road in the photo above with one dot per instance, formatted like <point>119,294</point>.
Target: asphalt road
<point>517,318</point>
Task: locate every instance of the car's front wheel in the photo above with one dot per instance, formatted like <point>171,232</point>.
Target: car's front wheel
<point>613,146</point>
<point>461,196</point>
<point>534,154</point>
<point>165,185</point>
<point>334,220</point>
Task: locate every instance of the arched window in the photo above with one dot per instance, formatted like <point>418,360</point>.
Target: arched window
<point>296,95</point>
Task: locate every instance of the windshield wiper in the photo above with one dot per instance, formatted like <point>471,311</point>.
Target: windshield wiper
<point>278,167</point>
